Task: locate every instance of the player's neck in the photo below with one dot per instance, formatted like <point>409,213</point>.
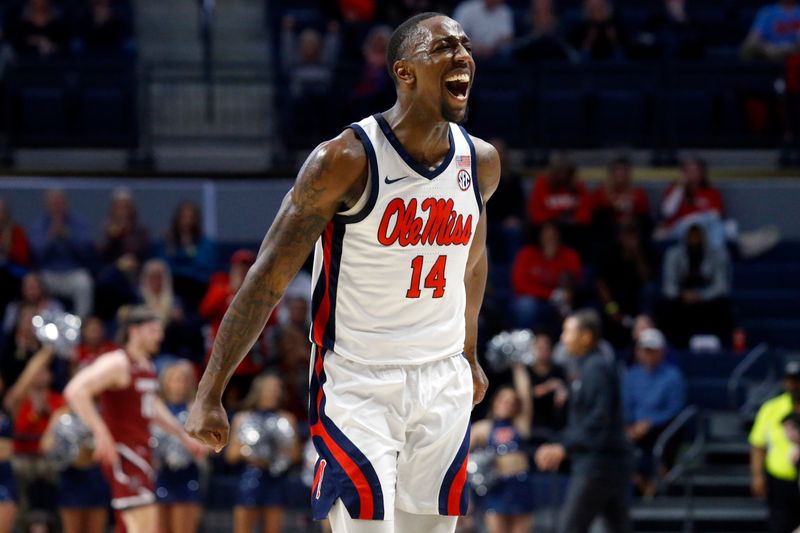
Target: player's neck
<point>424,135</point>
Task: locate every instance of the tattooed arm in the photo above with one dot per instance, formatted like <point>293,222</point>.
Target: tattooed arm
<point>488,170</point>
<point>332,179</point>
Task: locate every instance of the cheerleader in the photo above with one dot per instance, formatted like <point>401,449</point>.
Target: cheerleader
<point>508,503</point>
<point>262,494</point>
<point>8,486</point>
<point>178,490</point>
<point>83,494</point>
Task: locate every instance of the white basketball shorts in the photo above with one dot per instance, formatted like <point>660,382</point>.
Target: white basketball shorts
<point>389,436</point>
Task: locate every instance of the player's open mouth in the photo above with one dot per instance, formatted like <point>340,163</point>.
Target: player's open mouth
<point>457,85</point>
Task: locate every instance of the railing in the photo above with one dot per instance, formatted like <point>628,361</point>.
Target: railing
<point>741,369</point>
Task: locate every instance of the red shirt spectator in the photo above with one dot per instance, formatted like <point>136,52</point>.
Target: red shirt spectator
<point>93,342</point>
<point>31,422</point>
<point>557,196</point>
<point>14,247</point>
<point>221,290</point>
<point>538,271</point>
<point>619,197</point>
<point>692,194</point>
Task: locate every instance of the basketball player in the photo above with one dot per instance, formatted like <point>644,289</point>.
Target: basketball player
<point>127,387</point>
<point>395,207</point>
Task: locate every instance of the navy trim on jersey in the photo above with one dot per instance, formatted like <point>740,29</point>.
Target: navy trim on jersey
<point>474,161</point>
<point>326,287</point>
<point>417,167</point>
<point>374,178</point>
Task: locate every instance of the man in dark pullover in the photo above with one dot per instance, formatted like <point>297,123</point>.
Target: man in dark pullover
<point>594,438</point>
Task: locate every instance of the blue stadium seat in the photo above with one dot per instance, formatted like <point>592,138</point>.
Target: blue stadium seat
<point>621,117</point>
<point>563,118</point>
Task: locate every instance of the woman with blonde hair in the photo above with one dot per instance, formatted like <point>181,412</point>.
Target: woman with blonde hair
<point>178,489</point>
<point>262,492</point>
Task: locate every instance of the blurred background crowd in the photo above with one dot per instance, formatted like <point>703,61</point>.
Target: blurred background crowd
<point>698,303</point>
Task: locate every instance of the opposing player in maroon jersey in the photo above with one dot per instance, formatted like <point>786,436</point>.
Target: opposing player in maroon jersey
<point>125,383</point>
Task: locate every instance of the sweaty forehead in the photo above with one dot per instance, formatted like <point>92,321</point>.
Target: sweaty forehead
<point>439,27</point>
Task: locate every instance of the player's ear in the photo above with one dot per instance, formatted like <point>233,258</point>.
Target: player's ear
<point>404,71</point>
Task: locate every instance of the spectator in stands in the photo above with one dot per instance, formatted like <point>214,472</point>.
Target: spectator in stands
<point>191,255</point>
<point>544,42</point>
<point>594,438</point>
<point>178,489</point>
<point>262,495</point>
<point>506,219</point>
<point>617,202</point>
<point>549,389</point>
<point>182,338</point>
<point>122,248</point>
<point>559,196</point>
<point>41,32</point>
<point>696,290</point>
<point>544,279</point>
<point>123,237</point>
<point>693,200</point>
<point>671,33</point>
<point>654,393</point>
<point>34,295</point>
<point>102,30</point>
<point>690,200</point>
<point>221,290</point>
<point>94,342</point>
<point>489,23</point>
<point>374,88</point>
<point>8,485</point>
<point>775,33</point>
<point>308,58</point>
<point>31,401</point>
<point>599,36</point>
<point>774,475</point>
<point>508,504</point>
<point>19,345</point>
<point>15,255</point>
<point>62,249</point>
<point>625,282</point>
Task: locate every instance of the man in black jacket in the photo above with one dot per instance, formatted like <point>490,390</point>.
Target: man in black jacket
<point>594,438</point>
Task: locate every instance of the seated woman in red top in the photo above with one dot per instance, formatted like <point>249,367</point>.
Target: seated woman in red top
<point>617,203</point>
<point>543,280</point>
<point>692,200</point>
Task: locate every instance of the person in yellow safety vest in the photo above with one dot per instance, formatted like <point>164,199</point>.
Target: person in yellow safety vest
<point>772,466</point>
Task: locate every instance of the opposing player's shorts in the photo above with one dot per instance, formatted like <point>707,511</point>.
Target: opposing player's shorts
<point>132,481</point>
<point>390,436</point>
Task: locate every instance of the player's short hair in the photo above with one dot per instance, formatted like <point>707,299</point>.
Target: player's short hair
<point>133,315</point>
<point>588,320</point>
<point>397,47</point>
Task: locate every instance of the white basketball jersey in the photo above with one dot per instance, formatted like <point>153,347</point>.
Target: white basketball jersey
<point>389,273</point>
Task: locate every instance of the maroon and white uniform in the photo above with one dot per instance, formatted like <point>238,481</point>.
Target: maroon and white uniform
<point>127,413</point>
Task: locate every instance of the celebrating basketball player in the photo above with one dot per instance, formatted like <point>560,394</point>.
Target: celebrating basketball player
<point>126,384</point>
<point>395,207</point>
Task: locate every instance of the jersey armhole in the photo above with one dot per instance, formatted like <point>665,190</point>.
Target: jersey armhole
<point>366,202</point>
<point>474,165</point>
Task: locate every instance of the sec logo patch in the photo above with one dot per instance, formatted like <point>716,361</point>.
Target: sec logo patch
<point>464,180</point>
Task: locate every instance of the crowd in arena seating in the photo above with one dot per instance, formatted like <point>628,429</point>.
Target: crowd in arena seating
<point>519,35</point>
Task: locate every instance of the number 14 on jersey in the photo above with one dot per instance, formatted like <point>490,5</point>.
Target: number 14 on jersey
<point>433,280</point>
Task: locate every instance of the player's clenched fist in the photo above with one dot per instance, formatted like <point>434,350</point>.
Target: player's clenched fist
<point>208,423</point>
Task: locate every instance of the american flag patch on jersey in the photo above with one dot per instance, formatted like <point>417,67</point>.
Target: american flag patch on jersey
<point>464,161</point>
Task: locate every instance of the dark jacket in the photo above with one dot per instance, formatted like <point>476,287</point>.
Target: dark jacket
<point>594,437</point>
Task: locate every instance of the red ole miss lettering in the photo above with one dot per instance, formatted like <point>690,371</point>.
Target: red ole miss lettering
<point>444,226</point>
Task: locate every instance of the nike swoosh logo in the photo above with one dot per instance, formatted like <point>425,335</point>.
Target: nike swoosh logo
<point>389,181</point>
